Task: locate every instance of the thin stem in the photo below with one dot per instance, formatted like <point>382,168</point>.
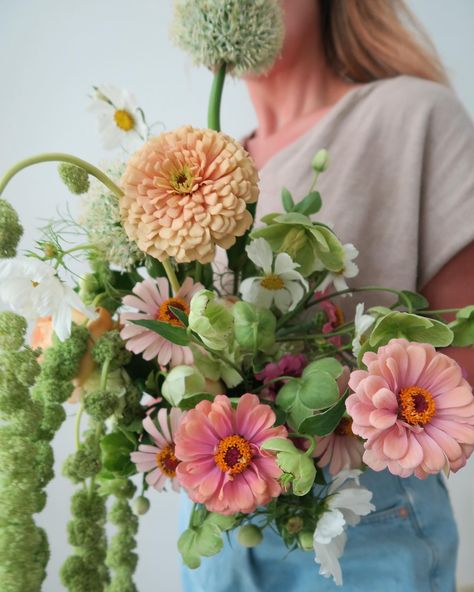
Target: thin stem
<point>197,272</point>
<point>312,336</point>
<point>440,311</point>
<point>60,157</point>
<point>104,375</point>
<point>312,441</point>
<point>214,109</point>
<point>313,182</point>
<point>77,426</point>
<point>85,247</point>
<point>365,289</point>
<point>171,275</point>
<point>273,380</point>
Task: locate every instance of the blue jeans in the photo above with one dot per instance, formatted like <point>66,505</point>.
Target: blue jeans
<point>409,544</point>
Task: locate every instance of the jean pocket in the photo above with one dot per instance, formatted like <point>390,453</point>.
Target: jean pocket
<point>396,513</point>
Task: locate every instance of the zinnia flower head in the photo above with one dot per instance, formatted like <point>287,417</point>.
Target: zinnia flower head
<point>187,191</point>
<point>222,465</point>
<point>159,459</point>
<point>153,301</point>
<point>247,35</point>
<point>415,409</point>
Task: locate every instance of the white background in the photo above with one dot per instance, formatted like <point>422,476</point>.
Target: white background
<point>51,53</point>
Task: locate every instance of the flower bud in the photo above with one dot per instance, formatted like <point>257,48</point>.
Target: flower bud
<point>294,524</point>
<point>305,539</point>
<point>140,505</point>
<point>182,381</point>
<point>250,535</point>
<point>320,161</point>
<point>75,178</point>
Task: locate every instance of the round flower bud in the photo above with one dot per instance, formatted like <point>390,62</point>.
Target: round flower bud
<point>182,381</point>
<point>12,330</point>
<point>247,35</point>
<point>10,230</point>
<point>250,535</point>
<point>141,505</point>
<point>305,539</point>
<point>320,161</point>
<point>75,178</point>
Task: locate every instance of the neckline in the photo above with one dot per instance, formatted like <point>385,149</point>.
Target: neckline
<point>333,111</point>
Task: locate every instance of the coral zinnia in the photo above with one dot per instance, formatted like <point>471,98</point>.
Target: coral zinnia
<point>414,408</point>
<point>187,191</point>
<point>153,302</point>
<point>159,459</point>
<point>222,465</point>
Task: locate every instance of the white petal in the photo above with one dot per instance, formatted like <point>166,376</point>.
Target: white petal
<point>260,252</point>
<point>247,290</point>
<point>282,300</point>
<point>284,263</point>
<point>327,556</point>
<point>297,292</point>
<point>330,525</point>
<point>340,283</point>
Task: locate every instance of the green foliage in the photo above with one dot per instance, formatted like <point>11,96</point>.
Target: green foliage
<point>115,449</point>
<point>325,423</point>
<point>254,327</point>
<point>175,334</point>
<point>101,404</point>
<point>121,556</point>
<point>211,320</point>
<point>11,230</point>
<point>111,347</point>
<point>182,382</point>
<point>463,327</point>
<point>82,464</point>
<point>12,329</point>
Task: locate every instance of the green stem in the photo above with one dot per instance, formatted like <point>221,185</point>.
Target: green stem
<point>440,311</point>
<point>257,389</point>
<point>197,272</point>
<point>309,437</point>
<point>77,426</point>
<point>213,113</point>
<point>400,295</point>
<point>104,374</point>
<point>86,247</point>
<point>171,275</point>
<point>313,182</point>
<point>312,336</point>
<point>60,157</point>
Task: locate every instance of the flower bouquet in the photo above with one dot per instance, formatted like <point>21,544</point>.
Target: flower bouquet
<point>207,350</point>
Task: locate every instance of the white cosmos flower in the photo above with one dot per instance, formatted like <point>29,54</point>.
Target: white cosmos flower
<point>120,119</point>
<point>31,288</point>
<point>349,270</point>
<point>280,283</point>
<point>362,323</point>
<point>347,501</point>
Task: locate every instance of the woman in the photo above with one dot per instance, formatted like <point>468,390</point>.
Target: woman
<point>353,79</point>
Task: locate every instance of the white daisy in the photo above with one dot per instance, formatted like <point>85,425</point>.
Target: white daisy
<point>362,323</point>
<point>280,283</point>
<point>347,502</point>
<point>31,288</point>
<point>121,121</point>
<point>349,270</point>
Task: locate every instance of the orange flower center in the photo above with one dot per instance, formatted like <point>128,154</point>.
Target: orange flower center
<point>182,180</point>
<point>344,427</point>
<point>165,313</point>
<point>233,454</point>
<point>167,461</point>
<point>272,282</point>
<point>416,405</point>
<point>124,120</point>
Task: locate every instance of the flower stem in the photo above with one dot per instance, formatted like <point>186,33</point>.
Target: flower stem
<point>60,157</point>
<point>77,426</point>
<point>401,295</point>
<point>214,110</point>
<point>171,276</point>
<point>104,375</point>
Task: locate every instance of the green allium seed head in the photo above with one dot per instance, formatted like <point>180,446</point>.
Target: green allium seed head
<point>53,417</point>
<point>247,35</point>
<point>81,465</point>
<point>12,329</point>
<point>84,503</point>
<point>111,346</point>
<point>100,404</point>
<point>75,178</point>
<point>11,230</point>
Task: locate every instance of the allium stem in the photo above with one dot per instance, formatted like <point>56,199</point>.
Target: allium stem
<point>214,110</point>
<point>60,157</point>
<point>171,275</point>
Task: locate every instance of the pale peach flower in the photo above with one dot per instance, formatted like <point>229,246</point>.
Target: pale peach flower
<point>186,191</point>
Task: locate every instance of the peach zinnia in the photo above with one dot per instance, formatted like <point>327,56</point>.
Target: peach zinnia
<point>185,192</point>
<point>414,408</point>
<point>222,465</point>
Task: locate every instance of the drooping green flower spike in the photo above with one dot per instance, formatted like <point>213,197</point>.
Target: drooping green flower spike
<point>11,230</point>
<point>246,35</point>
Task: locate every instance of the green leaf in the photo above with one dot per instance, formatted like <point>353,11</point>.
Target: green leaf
<point>236,255</point>
<point>329,365</point>
<point>318,390</point>
<point>179,314</point>
<point>116,449</point>
<point>309,205</point>
<point>324,423</point>
<point>177,335</point>
<point>463,327</point>
<point>417,301</point>
<point>192,400</point>
<point>412,327</point>
<point>279,445</point>
<point>188,548</point>
<point>254,327</point>
<point>287,200</point>
<point>330,250</point>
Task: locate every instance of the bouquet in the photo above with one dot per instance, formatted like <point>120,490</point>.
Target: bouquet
<point>207,350</point>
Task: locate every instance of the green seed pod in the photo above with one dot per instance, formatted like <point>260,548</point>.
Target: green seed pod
<point>75,178</point>
<point>250,535</point>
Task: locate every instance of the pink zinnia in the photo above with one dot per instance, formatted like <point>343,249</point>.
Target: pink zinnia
<point>414,408</point>
<point>153,301</point>
<point>160,459</point>
<point>222,464</point>
<point>341,449</point>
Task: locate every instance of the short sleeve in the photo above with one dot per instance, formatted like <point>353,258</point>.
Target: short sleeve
<point>446,217</point>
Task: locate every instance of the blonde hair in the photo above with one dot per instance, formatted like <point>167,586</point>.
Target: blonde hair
<point>367,40</point>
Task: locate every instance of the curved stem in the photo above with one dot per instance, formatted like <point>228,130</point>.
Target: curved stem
<point>214,109</point>
<point>77,426</point>
<point>171,276</point>
<point>60,157</point>
<point>365,289</point>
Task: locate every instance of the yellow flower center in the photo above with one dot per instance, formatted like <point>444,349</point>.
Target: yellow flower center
<point>344,427</point>
<point>182,180</point>
<point>233,454</point>
<point>167,461</point>
<point>272,282</point>
<point>416,405</point>
<point>124,120</point>
<point>167,316</point>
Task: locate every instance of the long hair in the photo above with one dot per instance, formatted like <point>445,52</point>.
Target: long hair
<point>367,40</point>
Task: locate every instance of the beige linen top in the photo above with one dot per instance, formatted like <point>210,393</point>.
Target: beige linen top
<point>400,185</point>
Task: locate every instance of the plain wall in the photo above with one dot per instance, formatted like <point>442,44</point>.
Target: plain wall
<point>51,53</point>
